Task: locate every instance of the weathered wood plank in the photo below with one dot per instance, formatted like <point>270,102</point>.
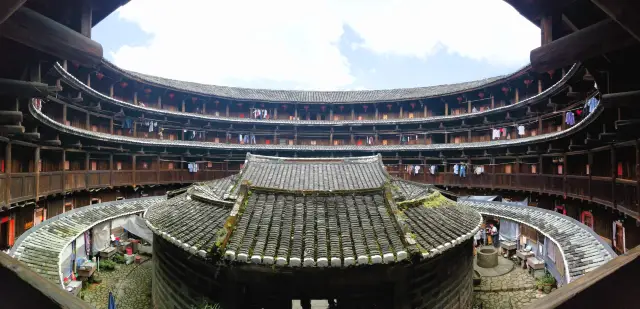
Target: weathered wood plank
<point>624,13</point>
<point>8,7</point>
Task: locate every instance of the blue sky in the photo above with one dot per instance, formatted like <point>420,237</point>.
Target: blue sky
<point>332,45</point>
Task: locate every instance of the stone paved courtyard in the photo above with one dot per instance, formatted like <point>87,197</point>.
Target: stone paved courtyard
<point>513,290</point>
<point>131,285</point>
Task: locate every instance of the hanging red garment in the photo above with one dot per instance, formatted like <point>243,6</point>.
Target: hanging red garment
<point>359,142</point>
<point>619,168</point>
<point>268,142</point>
<point>241,115</point>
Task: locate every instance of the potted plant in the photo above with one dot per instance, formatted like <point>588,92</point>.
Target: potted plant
<point>546,283</point>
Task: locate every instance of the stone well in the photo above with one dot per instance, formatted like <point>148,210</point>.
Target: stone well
<point>488,257</point>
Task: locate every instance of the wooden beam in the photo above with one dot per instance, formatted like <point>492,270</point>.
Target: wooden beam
<point>8,7</point>
<point>24,89</point>
<point>603,37</point>
<point>624,13</point>
<point>44,34</point>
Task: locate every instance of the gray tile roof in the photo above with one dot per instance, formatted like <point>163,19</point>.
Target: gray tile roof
<point>77,84</point>
<point>320,174</point>
<point>310,148</point>
<point>40,247</point>
<point>582,249</point>
<point>305,96</point>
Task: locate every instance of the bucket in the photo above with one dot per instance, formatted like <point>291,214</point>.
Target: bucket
<point>129,250</point>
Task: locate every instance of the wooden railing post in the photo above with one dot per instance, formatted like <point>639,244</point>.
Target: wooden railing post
<point>87,168</point>
<point>111,169</point>
<point>637,176</point>
<point>7,155</point>
<point>37,161</point>
<point>590,163</point>
<point>64,171</point>
<point>158,169</point>
<point>133,158</point>
<point>614,176</point>
<point>564,174</point>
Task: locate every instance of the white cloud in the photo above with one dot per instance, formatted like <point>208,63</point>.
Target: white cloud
<point>216,42</point>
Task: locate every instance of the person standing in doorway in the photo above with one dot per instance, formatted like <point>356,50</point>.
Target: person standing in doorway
<point>495,236</point>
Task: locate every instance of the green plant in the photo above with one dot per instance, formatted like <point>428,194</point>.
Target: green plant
<point>118,258</point>
<point>107,265</point>
<point>546,283</point>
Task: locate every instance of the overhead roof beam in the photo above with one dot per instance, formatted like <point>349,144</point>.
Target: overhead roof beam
<point>533,10</point>
<point>603,37</point>
<point>624,13</point>
<point>39,32</point>
<point>8,7</point>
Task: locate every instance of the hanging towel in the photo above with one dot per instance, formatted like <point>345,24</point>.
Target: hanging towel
<point>570,118</point>
<point>433,169</point>
<point>455,169</point>
<point>496,134</point>
<point>520,130</point>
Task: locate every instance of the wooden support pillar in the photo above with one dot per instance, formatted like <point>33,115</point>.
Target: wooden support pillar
<point>446,109</point>
<point>88,121</point>
<point>87,168</point>
<point>425,113</point>
<point>159,102</point>
<point>331,137</point>
<point>183,109</point>
<point>7,188</point>
<point>375,106</point>
<point>637,173</point>
<point>564,173</point>
<point>133,158</point>
<point>135,129</point>
<point>111,125</point>
<point>89,79</point>
<point>64,113</point>
<point>331,112</point>
<point>275,113</point>
<point>111,169</point>
<point>157,169</point>
<point>111,91</point>
<point>204,107</point>
<point>64,171</point>
<point>227,110</point>
<point>614,176</point>
<point>590,163</point>
<point>493,102</point>
<point>546,27</point>
<point>539,86</point>
<point>401,111</point>
<point>295,111</point>
<point>86,18</point>
<point>517,98</point>
<point>539,131</point>
<point>469,107</point>
<point>353,112</point>
<point>135,99</point>
<point>38,165</point>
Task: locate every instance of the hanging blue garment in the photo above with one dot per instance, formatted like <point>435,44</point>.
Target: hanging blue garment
<point>592,103</point>
<point>570,118</point>
<point>463,170</point>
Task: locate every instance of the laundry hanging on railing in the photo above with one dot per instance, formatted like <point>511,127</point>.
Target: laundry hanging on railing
<point>127,123</point>
<point>591,104</point>
<point>193,167</point>
<point>478,170</point>
<point>570,118</point>
<point>521,130</point>
<point>433,169</point>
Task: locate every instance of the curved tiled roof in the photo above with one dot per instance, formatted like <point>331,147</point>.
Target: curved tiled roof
<point>77,84</point>
<point>319,148</point>
<point>306,96</point>
<point>315,174</point>
<point>312,230</point>
<point>582,249</point>
<point>41,246</point>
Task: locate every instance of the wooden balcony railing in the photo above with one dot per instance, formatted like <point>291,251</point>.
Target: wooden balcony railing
<point>621,194</point>
<point>23,186</point>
